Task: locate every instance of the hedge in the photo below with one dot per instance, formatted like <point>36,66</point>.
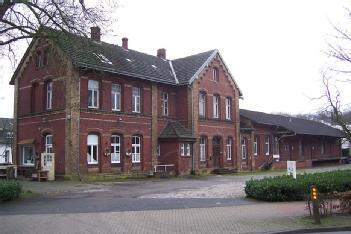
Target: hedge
<point>286,188</point>
<point>9,190</point>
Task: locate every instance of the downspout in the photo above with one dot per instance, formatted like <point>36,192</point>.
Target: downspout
<point>78,129</point>
<point>193,130</point>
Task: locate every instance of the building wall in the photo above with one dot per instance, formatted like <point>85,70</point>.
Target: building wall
<point>3,149</point>
<point>304,149</point>
<point>210,127</point>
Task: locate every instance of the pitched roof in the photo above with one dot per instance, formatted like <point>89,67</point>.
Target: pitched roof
<point>296,125</point>
<point>101,56</point>
<point>174,129</point>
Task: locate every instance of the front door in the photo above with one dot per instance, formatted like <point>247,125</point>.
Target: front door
<point>216,148</point>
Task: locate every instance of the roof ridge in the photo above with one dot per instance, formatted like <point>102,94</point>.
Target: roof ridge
<point>194,54</point>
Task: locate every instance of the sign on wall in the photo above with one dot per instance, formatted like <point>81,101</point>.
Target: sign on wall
<point>291,167</point>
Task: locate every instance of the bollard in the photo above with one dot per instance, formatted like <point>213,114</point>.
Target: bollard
<point>315,203</point>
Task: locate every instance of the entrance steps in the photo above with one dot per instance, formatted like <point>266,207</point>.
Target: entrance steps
<point>223,171</point>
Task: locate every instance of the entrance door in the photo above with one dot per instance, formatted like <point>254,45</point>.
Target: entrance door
<point>216,149</point>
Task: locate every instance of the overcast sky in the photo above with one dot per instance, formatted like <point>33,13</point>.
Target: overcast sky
<point>274,48</point>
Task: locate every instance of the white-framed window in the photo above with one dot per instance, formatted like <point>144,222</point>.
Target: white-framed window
<point>215,74</point>
<point>228,108</point>
<point>115,149</point>
<point>255,146</point>
<point>267,144</point>
<point>48,144</point>
<point>182,149</point>
<point>136,149</point>
<point>243,148</point>
<point>215,106</point>
<point>158,150</point>
<point>202,149</point>
<point>188,149</point>
<point>164,103</point>
<point>116,97</point>
<point>28,155</point>
<point>93,94</point>
<point>92,150</point>
<point>136,99</point>
<point>49,95</point>
<point>229,148</point>
<point>202,104</point>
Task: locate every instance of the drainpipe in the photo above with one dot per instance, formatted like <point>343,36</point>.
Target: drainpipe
<point>78,126</point>
<point>193,130</point>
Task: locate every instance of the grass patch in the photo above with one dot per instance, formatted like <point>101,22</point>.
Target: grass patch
<point>10,190</point>
<point>285,188</point>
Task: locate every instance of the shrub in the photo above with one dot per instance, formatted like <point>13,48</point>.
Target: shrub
<point>9,190</point>
<point>286,188</point>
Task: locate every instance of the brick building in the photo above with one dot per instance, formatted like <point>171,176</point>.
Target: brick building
<point>271,140</point>
<point>106,108</point>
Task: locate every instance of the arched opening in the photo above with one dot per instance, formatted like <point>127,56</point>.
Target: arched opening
<point>216,152</point>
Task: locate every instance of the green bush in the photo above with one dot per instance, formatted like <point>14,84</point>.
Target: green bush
<point>9,190</point>
<point>286,188</point>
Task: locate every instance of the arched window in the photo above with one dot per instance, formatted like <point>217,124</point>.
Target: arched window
<point>215,74</point>
<point>202,104</point>
<point>136,149</point>
<point>92,149</point>
<point>229,143</point>
<point>203,148</point>
<point>115,149</point>
<point>39,59</point>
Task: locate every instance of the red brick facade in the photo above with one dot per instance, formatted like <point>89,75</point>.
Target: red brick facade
<point>70,120</point>
<point>306,150</point>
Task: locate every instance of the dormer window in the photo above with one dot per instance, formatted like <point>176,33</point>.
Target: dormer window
<point>215,74</point>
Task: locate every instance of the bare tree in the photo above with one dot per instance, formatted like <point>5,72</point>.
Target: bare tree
<point>22,19</point>
<point>338,75</point>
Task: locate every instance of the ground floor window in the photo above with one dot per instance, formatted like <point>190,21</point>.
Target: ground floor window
<point>185,149</point>
<point>243,148</point>
<point>136,146</point>
<point>7,156</point>
<point>28,155</point>
<point>92,149</point>
<point>229,148</point>
<point>202,149</point>
<point>115,149</point>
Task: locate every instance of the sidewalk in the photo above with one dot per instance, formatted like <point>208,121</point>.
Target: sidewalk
<point>257,218</point>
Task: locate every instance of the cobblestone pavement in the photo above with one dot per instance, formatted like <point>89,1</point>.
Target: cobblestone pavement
<point>261,217</point>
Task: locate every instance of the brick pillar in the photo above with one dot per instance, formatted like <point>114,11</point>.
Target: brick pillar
<point>154,123</point>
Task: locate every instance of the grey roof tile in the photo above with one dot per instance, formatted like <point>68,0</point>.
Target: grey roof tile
<point>174,129</point>
<point>296,125</point>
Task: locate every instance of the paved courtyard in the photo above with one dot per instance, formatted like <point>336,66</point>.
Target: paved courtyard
<point>212,204</point>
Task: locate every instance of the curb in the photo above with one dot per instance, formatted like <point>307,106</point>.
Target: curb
<point>313,230</point>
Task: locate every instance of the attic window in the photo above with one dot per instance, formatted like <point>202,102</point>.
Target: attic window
<point>103,58</point>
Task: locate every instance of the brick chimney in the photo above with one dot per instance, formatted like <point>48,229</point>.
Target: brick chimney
<point>95,33</point>
<point>125,43</point>
<point>161,53</point>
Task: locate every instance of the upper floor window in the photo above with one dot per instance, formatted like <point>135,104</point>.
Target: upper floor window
<point>164,103</point>
<point>255,146</point>
<point>49,95</point>
<point>202,104</point>
<point>93,94</point>
<point>202,149</point>
<point>136,100</point>
<point>48,144</point>
<point>92,148</point>
<point>188,149</point>
<point>267,144</point>
<point>115,149</point>
<point>39,59</point>
<point>116,97</point>
<point>228,108</point>
<point>215,74</point>
<point>136,148</point>
<point>46,57</point>
<point>215,106</point>
<point>229,148</point>
<point>243,148</point>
